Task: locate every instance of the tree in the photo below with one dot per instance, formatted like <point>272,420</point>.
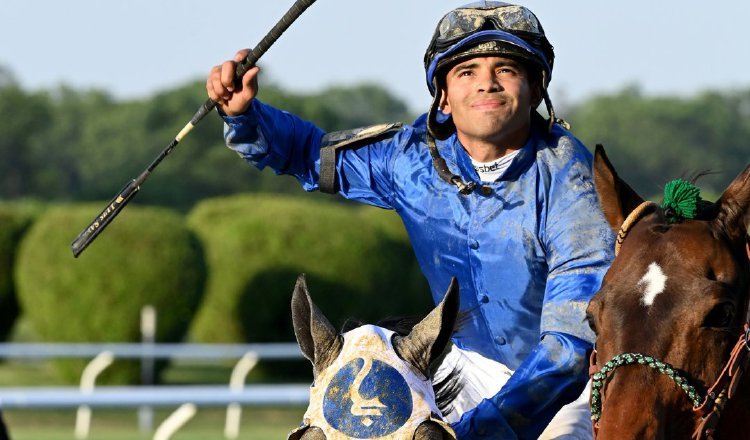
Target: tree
<point>20,116</point>
<point>656,139</point>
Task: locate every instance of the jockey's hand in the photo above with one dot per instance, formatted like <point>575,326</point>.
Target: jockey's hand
<point>485,421</point>
<point>230,97</point>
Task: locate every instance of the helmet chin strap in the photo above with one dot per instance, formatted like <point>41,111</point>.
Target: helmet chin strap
<point>553,119</point>
<point>442,131</point>
<point>444,172</point>
<point>437,129</point>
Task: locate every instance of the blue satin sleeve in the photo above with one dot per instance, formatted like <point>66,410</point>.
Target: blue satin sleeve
<point>268,137</point>
<point>555,371</point>
<point>578,245</point>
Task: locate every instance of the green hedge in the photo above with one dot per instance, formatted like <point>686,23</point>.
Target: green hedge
<point>357,259</point>
<point>146,256</point>
<point>13,222</point>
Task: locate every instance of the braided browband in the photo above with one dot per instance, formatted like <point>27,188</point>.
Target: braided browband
<point>631,219</point>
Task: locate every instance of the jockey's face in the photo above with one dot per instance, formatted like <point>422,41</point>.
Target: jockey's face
<point>490,99</point>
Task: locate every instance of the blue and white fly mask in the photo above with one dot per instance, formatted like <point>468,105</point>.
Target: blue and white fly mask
<point>371,383</point>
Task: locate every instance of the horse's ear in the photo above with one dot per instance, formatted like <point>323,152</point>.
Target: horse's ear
<point>616,198</point>
<point>431,429</point>
<point>734,207</point>
<point>317,338</point>
<point>430,336</point>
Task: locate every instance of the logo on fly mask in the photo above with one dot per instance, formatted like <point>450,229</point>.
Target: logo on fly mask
<point>367,398</point>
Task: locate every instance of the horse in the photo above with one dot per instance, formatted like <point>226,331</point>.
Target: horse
<point>372,382</point>
<point>671,316</point>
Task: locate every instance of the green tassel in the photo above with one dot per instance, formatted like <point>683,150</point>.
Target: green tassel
<point>681,200</point>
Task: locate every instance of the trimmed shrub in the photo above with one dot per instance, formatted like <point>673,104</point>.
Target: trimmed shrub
<point>146,257</point>
<point>358,262</point>
<point>13,223</point>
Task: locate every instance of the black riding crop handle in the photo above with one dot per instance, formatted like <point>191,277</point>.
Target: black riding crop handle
<point>131,188</point>
<point>249,62</point>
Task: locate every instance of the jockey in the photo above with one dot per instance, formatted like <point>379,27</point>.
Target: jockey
<point>489,192</point>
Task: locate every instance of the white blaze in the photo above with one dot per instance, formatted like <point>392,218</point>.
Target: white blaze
<point>652,283</point>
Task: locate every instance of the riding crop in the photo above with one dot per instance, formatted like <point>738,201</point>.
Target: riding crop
<point>131,188</point>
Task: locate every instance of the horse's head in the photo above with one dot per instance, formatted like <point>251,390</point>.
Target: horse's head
<point>677,293</point>
<point>371,382</point>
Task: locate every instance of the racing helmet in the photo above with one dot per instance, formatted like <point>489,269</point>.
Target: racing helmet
<point>485,28</point>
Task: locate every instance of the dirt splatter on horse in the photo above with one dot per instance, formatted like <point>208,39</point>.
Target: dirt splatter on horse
<point>371,382</point>
<point>671,316</point>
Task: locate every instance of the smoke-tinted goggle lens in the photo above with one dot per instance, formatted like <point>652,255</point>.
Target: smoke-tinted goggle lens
<point>461,22</point>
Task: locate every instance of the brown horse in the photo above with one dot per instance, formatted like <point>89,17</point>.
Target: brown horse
<point>671,317</point>
<point>371,382</point>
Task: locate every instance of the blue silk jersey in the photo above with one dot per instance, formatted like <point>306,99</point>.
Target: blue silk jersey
<point>529,250</point>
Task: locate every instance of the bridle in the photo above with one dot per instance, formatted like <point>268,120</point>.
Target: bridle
<point>708,408</point>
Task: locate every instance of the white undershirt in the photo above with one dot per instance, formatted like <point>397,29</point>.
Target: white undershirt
<point>491,171</point>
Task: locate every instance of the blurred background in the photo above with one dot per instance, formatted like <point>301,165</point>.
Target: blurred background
<point>90,92</point>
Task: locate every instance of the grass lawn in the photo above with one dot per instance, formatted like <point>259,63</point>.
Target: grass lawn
<point>122,424</point>
<point>208,424</point>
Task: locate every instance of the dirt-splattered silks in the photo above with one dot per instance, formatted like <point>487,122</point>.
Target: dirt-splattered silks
<point>528,249</point>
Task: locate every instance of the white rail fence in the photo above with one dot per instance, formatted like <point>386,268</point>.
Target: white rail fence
<point>188,397</point>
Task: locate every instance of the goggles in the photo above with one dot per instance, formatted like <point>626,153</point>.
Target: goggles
<point>464,21</point>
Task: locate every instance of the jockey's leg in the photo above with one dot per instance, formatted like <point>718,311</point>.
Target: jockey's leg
<point>573,421</point>
<point>483,378</point>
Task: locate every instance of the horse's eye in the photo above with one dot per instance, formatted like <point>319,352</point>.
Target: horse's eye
<point>721,316</point>
<point>592,322</point>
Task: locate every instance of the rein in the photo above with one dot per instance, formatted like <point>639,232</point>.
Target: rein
<point>708,408</point>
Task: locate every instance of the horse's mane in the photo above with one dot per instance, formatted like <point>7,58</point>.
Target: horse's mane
<point>447,389</point>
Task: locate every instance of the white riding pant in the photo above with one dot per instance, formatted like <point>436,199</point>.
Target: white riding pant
<point>482,378</point>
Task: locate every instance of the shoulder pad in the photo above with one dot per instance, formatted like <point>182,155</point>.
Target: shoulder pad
<point>354,138</point>
<point>360,136</point>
